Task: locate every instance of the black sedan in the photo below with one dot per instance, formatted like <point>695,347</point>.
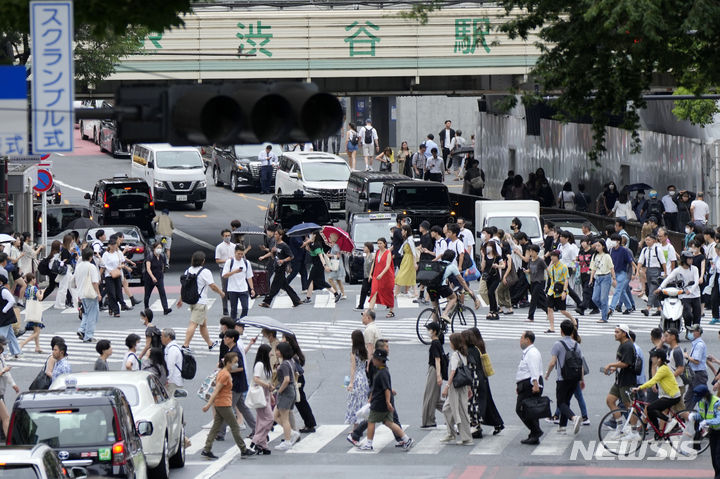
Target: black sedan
<point>235,165</point>
<point>134,247</point>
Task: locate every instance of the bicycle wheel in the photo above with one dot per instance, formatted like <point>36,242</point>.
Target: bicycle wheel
<point>685,438</point>
<point>463,318</point>
<point>615,441</point>
<point>426,316</point>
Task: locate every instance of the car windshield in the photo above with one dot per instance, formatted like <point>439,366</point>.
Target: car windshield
<point>292,214</point>
<point>375,187</point>
<point>370,231</point>
<point>574,227</point>
<point>426,196</point>
<point>67,427</point>
<point>530,224</point>
<point>325,171</point>
<point>18,471</point>
<point>179,160</point>
<point>129,233</point>
<point>136,189</point>
<point>253,151</point>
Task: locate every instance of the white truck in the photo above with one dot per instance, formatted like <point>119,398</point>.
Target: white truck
<point>500,213</point>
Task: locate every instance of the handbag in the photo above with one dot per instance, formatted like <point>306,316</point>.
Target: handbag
<point>363,412</point>
<point>33,311</point>
<point>88,292</point>
<point>208,386</point>
<point>477,183</point>
<point>536,407</point>
<point>472,273</point>
<point>512,277</point>
<point>463,376</point>
<point>334,264</point>
<point>255,397</point>
<point>42,381</point>
<point>487,365</point>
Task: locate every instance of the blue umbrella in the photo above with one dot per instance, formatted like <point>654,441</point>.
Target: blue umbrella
<point>303,229</point>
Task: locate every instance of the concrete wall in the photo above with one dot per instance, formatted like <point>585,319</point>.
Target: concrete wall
<point>419,115</point>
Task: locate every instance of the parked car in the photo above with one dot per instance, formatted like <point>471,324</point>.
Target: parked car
<point>418,201</point>
<point>239,164</point>
<point>121,200</point>
<point>92,428</point>
<point>35,462</point>
<point>364,190</point>
<point>287,211</point>
<point>53,195</point>
<point>315,173</point>
<point>90,129</point>
<point>134,247</point>
<point>571,223</point>
<point>364,227</point>
<point>110,142</point>
<point>149,401</point>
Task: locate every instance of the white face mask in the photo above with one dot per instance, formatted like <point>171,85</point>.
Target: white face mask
<point>612,244</point>
<point>671,193</point>
<point>484,236</point>
<point>687,230</point>
<point>158,250</point>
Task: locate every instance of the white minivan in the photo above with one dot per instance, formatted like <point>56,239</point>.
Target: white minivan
<point>176,174</point>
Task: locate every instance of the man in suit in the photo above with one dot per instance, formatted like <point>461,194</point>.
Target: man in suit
<point>446,137</point>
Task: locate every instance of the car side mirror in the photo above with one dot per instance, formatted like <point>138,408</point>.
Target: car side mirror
<point>87,196</point>
<point>78,472</point>
<point>180,393</point>
<point>294,175</point>
<point>151,164</point>
<point>144,428</point>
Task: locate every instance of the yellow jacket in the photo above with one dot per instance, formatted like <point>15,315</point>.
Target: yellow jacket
<point>668,384</point>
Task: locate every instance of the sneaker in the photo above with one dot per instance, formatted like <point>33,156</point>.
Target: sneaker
<point>307,430</point>
<point>580,311</point>
<point>611,423</point>
<point>283,446</point>
<point>294,437</point>
<point>307,300</point>
<point>448,438</point>
<point>670,425</point>
<point>213,345</point>
<point>714,321</point>
<point>585,421</point>
<point>553,420</point>
<point>562,430</point>
<point>577,422</point>
<point>409,443</point>
<point>359,309</point>
<point>220,437</point>
<point>595,311</point>
<point>247,453</point>
<point>352,441</point>
<point>208,454</point>
<point>627,311</point>
<point>632,436</point>
<point>337,297</point>
<point>366,447</point>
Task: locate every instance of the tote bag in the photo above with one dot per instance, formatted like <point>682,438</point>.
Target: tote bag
<point>255,397</point>
<point>33,311</point>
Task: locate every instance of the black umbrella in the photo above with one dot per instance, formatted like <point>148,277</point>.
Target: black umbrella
<point>248,230</point>
<point>82,224</point>
<point>638,187</point>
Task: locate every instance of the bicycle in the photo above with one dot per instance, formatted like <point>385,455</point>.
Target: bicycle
<point>461,318</point>
<point>620,443</point>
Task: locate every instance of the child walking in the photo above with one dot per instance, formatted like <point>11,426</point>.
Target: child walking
<point>33,312</point>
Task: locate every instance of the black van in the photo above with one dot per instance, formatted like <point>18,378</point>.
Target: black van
<point>123,201</point>
<point>419,201</point>
<point>87,427</point>
<point>287,211</point>
<point>364,190</point>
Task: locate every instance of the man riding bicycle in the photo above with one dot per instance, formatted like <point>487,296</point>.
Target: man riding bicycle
<point>444,290</point>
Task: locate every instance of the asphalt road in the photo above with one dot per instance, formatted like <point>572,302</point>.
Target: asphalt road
<point>323,329</point>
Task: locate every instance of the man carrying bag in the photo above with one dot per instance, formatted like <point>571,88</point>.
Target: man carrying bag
<point>529,388</point>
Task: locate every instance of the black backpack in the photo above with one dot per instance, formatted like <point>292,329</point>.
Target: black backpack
<point>189,292</point>
<point>638,364</point>
<point>189,365</point>
<point>368,136</point>
<point>572,368</point>
<point>44,266</point>
<point>430,273</point>
<point>354,139</point>
<point>655,209</point>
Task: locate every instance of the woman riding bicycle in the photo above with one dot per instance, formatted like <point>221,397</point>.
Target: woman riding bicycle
<point>668,390</point>
<point>444,289</point>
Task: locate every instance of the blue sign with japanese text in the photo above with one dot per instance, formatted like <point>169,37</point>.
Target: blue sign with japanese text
<point>13,104</point>
<point>51,31</point>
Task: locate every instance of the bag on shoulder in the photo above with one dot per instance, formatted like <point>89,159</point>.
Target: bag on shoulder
<point>189,364</point>
<point>572,368</point>
<point>189,292</point>
<point>463,376</point>
<point>58,267</point>
<point>477,183</point>
<point>42,381</point>
<point>208,386</point>
<point>368,136</point>
<point>487,365</point>
<point>354,139</point>
<point>155,334</point>
<point>43,266</point>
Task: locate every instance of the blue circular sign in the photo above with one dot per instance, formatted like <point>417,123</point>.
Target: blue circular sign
<point>44,181</point>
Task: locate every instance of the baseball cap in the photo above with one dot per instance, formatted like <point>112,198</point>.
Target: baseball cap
<point>699,392</point>
<point>380,354</point>
<point>696,327</point>
<point>368,120</point>
<point>624,328</point>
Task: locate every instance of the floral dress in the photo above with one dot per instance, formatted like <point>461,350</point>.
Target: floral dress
<point>358,397</point>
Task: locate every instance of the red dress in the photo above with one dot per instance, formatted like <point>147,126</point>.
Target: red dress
<point>384,287</point>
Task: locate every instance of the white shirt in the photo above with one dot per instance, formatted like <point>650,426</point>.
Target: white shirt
<point>133,359</point>
<point>457,142</point>
<point>687,275</point>
<point>429,145</point>
<point>468,240</point>
<point>669,252</point>
<point>259,371</point>
<point>440,247</point>
<point>652,257</point>
<point>701,210</point>
<point>204,280</point>
<point>669,205</point>
<point>110,261</point>
<point>530,366</point>
<point>568,253</point>
<point>622,210</point>
<point>448,138</point>
<point>225,251</point>
<point>267,159</point>
<point>458,247</point>
<point>83,271</point>
<point>238,282</point>
<point>173,360</point>
<point>7,296</point>
<point>362,134</point>
<point>434,165</point>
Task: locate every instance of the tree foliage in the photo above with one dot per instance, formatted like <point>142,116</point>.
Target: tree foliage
<point>697,112</point>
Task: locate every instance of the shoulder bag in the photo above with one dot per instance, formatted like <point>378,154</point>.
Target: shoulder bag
<point>255,397</point>
<point>463,376</point>
<point>88,292</point>
<point>486,364</point>
<point>208,386</point>
<point>41,381</point>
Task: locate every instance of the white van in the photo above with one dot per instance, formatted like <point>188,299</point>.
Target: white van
<point>501,213</point>
<point>176,174</point>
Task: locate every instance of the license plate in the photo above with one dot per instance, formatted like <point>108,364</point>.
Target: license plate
<point>334,205</point>
<point>181,198</point>
<point>129,215</point>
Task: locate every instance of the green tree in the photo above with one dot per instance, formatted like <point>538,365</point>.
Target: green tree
<point>697,112</point>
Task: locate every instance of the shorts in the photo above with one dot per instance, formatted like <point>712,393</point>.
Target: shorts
<point>443,291</point>
<point>557,303</point>
<point>380,416</point>
<point>351,147</point>
<point>368,149</point>
<point>198,313</point>
<point>622,392</point>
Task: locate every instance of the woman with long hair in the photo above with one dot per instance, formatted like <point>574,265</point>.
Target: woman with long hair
<point>385,160</point>
<point>28,259</point>
<point>405,277</point>
<point>358,388</point>
<point>315,245</point>
<point>65,256</point>
<point>602,273</point>
<point>492,266</point>
<point>455,408</point>
<point>566,197</point>
<point>156,364</point>
<point>352,141</point>
<point>383,279</point>
<point>262,376</point>
<point>481,406</point>
<point>434,378</point>
<point>404,160</point>
<point>285,395</point>
<point>336,276</point>
<point>303,406</point>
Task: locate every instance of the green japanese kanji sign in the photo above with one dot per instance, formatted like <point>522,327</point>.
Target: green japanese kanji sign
<point>362,41</point>
<point>470,33</point>
<point>255,38</point>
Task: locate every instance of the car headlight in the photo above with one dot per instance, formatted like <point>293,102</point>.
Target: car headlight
<point>202,184</point>
<point>241,165</point>
<point>159,184</point>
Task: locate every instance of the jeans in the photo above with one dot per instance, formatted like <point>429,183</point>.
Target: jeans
<point>9,334</point>
<point>601,291</point>
<point>265,178</point>
<point>619,297</point>
<point>91,309</point>
<point>233,297</point>
<point>224,284</point>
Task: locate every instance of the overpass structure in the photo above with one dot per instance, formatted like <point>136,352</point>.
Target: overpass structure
<point>350,50</point>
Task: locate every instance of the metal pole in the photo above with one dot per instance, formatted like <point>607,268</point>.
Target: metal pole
<point>44,222</point>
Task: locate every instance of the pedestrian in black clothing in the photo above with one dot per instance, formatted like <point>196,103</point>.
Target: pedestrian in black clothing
<point>481,406</point>
<point>584,259</point>
<point>582,199</point>
<point>154,277</point>
<point>297,264</point>
<point>283,255</point>
<point>303,406</point>
<point>507,185</point>
<point>368,260</point>
<point>536,269</point>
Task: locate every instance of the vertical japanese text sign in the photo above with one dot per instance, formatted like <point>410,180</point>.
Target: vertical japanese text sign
<point>13,105</point>
<point>51,30</point>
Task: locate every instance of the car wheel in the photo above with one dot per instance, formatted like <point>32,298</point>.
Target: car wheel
<point>216,177</point>
<point>82,132</point>
<point>162,470</point>
<point>199,205</point>
<point>233,182</point>
<point>178,459</point>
